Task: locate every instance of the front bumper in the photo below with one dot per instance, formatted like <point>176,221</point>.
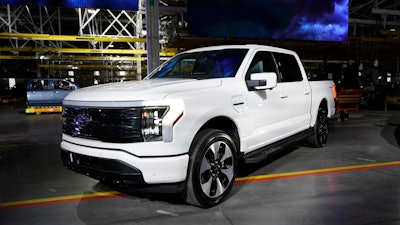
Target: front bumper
<point>102,169</point>
<point>116,166</point>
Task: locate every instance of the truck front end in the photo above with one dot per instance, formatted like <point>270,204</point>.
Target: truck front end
<point>124,142</point>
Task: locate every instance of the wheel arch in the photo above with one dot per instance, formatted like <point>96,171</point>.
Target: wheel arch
<point>225,124</point>
<point>320,126</point>
<point>322,104</point>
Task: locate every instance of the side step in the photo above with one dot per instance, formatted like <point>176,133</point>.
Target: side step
<point>264,152</point>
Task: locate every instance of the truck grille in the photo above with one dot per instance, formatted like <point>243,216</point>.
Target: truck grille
<point>117,125</point>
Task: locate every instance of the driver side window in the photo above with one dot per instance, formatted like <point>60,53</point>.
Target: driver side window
<point>262,62</point>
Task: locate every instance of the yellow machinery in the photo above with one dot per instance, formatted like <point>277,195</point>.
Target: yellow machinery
<point>43,109</point>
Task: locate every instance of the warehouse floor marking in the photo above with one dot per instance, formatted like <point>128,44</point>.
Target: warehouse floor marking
<point>260,178</point>
<point>239,180</point>
<point>61,199</point>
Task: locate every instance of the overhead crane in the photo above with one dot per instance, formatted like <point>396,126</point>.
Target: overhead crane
<point>100,28</point>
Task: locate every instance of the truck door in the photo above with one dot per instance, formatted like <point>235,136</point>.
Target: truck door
<point>266,114</point>
<point>294,91</point>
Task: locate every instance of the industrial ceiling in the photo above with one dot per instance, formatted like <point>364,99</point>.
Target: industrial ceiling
<point>102,39</point>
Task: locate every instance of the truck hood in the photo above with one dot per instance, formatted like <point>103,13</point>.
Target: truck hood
<point>153,89</point>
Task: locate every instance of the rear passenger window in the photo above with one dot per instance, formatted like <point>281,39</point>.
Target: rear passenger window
<point>289,70</point>
<point>38,84</point>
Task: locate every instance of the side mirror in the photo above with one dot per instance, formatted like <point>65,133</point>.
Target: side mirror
<point>262,81</point>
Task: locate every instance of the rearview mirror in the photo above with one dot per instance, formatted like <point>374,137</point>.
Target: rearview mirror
<point>262,81</point>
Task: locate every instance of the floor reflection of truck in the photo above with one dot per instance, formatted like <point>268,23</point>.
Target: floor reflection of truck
<point>392,95</point>
<point>48,91</point>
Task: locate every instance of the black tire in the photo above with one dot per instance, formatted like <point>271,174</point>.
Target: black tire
<point>321,130</point>
<point>212,168</point>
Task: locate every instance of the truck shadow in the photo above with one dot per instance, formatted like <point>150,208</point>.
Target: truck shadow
<point>397,134</point>
<point>246,169</point>
<point>391,131</point>
<point>142,193</point>
<point>131,206</point>
<point>145,196</point>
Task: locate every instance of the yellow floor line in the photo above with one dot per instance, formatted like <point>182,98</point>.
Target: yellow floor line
<point>61,198</point>
<point>316,172</point>
<point>248,179</point>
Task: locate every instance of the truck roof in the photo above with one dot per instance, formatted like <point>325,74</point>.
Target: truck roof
<point>246,46</point>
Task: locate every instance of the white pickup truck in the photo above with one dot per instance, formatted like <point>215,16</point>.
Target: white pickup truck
<point>188,124</point>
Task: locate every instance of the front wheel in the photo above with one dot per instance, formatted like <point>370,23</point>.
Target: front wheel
<point>212,168</point>
<point>321,130</point>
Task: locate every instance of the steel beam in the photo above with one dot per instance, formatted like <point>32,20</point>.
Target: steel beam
<point>17,57</point>
<point>385,12</point>
<point>87,67</point>
<point>75,50</point>
<point>52,37</point>
<point>75,58</point>
<point>163,53</point>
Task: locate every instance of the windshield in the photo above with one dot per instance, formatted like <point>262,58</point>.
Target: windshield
<point>202,65</point>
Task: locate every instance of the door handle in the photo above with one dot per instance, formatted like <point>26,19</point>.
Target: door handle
<point>238,100</point>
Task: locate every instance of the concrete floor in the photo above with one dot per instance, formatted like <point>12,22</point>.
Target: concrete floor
<point>355,179</point>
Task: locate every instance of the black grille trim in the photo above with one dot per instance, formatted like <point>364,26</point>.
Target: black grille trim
<point>116,125</point>
<point>114,171</point>
<point>109,170</point>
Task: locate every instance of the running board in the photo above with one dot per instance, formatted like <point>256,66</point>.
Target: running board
<point>264,152</point>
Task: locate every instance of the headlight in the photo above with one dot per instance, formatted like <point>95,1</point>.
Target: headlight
<point>152,122</point>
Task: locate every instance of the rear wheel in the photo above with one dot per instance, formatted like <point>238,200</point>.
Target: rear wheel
<point>321,129</point>
<point>212,168</point>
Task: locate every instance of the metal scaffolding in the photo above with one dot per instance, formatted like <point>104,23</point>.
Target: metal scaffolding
<point>46,33</point>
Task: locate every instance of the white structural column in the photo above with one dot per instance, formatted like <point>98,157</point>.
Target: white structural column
<point>139,29</point>
<point>152,28</point>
